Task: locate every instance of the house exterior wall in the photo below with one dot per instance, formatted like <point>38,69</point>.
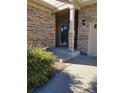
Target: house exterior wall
<point>92,40</point>
<point>40,25</point>
<point>89,14</point>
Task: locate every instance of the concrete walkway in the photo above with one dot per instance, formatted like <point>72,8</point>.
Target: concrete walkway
<point>78,77</point>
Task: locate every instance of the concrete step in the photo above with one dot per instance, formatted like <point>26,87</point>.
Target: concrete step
<point>63,54</point>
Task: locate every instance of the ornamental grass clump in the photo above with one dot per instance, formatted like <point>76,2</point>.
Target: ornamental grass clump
<point>39,66</point>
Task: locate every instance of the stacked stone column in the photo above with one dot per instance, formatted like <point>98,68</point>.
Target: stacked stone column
<point>71,30</point>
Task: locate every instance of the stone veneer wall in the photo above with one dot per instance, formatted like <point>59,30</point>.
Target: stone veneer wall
<point>89,13</point>
<point>40,25</point>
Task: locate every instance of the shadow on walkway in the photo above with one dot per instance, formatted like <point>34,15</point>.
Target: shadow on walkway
<point>59,84</point>
<point>83,60</point>
<point>93,87</point>
<point>66,82</point>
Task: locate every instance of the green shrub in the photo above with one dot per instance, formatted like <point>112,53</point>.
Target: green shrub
<point>39,66</point>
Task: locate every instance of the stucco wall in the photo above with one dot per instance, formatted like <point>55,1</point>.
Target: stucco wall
<point>89,14</point>
<point>40,25</point>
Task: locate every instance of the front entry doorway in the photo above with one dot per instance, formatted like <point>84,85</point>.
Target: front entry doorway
<point>64,35</point>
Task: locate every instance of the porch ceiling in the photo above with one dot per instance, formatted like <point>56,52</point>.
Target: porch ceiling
<point>63,4</point>
<point>58,4</point>
<point>86,2</point>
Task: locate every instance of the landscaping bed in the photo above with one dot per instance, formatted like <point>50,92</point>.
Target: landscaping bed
<point>41,67</point>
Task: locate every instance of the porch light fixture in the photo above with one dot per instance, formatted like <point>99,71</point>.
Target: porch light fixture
<point>95,25</point>
<point>83,22</point>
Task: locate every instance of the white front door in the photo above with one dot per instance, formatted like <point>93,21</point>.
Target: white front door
<point>92,40</point>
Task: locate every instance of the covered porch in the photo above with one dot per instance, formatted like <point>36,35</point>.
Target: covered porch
<point>66,12</point>
<point>67,25</point>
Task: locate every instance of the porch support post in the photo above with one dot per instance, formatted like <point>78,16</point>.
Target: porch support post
<point>71,30</point>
